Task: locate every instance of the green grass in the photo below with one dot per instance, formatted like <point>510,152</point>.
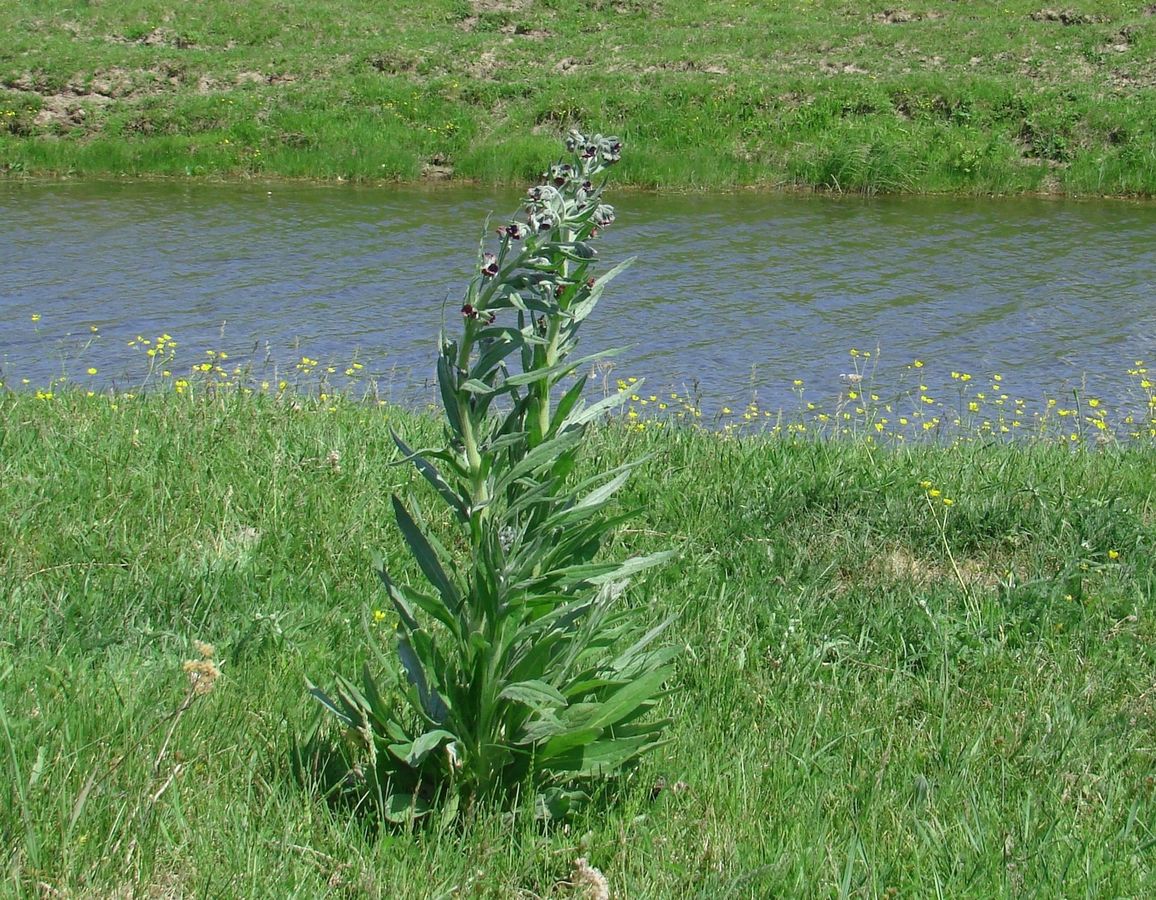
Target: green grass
<point>975,97</point>
<point>879,692</point>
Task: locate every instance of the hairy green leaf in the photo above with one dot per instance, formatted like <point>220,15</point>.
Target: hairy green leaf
<point>427,557</point>
<point>431,474</point>
<point>534,694</point>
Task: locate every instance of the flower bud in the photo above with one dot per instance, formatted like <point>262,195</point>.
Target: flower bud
<point>603,215</point>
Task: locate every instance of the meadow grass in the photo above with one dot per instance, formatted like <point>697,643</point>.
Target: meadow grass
<point>981,97</point>
<point>881,693</point>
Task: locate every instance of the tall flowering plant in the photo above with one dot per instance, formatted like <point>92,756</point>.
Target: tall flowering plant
<point>521,664</point>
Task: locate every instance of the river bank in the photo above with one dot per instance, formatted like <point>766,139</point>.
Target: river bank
<point>908,669</point>
<point>931,98</point>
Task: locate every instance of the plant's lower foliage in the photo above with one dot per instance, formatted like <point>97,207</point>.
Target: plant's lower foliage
<point>521,663</point>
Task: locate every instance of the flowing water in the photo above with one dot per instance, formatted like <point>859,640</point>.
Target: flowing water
<point>739,293</point>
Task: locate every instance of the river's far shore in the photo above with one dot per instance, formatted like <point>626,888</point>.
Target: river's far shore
<point>421,183</point>
<point>973,99</point>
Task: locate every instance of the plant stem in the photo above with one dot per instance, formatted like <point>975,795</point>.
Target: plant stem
<point>553,330</point>
<point>479,492</point>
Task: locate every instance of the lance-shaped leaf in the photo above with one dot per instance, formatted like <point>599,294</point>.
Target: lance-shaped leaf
<point>628,658</point>
<point>607,572</point>
<point>569,400</point>
<point>477,386</point>
<point>496,352</point>
<point>427,557</point>
<point>406,598</point>
<point>381,711</point>
<point>628,698</point>
<point>632,567</point>
<point>583,415</point>
<point>448,387</point>
<point>571,737</point>
<point>323,698</point>
<point>432,704</point>
<point>561,369</point>
<point>403,808</point>
<point>602,757</point>
<point>540,456</point>
<point>431,474</point>
<point>601,495</point>
<point>574,250</point>
<point>534,694</point>
<point>415,752</point>
<point>585,306</point>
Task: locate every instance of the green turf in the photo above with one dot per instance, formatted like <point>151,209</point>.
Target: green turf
<point>879,691</point>
<point>975,97</point>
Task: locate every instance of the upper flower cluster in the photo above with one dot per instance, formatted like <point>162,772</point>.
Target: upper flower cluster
<point>566,205</point>
<point>606,150</point>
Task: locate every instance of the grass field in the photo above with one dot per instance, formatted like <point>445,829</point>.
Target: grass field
<point>882,693</point>
<point>931,96</point>
<point>908,667</point>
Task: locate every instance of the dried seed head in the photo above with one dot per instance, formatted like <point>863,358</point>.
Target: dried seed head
<point>588,882</point>
<point>203,674</point>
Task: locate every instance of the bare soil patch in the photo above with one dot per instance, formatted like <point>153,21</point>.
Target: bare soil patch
<point>903,16</point>
<point>72,105</point>
<point>1067,17</point>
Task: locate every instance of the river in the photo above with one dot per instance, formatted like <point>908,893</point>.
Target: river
<point>742,294</point>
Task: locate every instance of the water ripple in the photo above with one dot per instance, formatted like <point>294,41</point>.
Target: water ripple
<point>741,292</point>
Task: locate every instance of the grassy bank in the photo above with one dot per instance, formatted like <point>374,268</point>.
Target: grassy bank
<point>882,691</point>
<point>933,96</point>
